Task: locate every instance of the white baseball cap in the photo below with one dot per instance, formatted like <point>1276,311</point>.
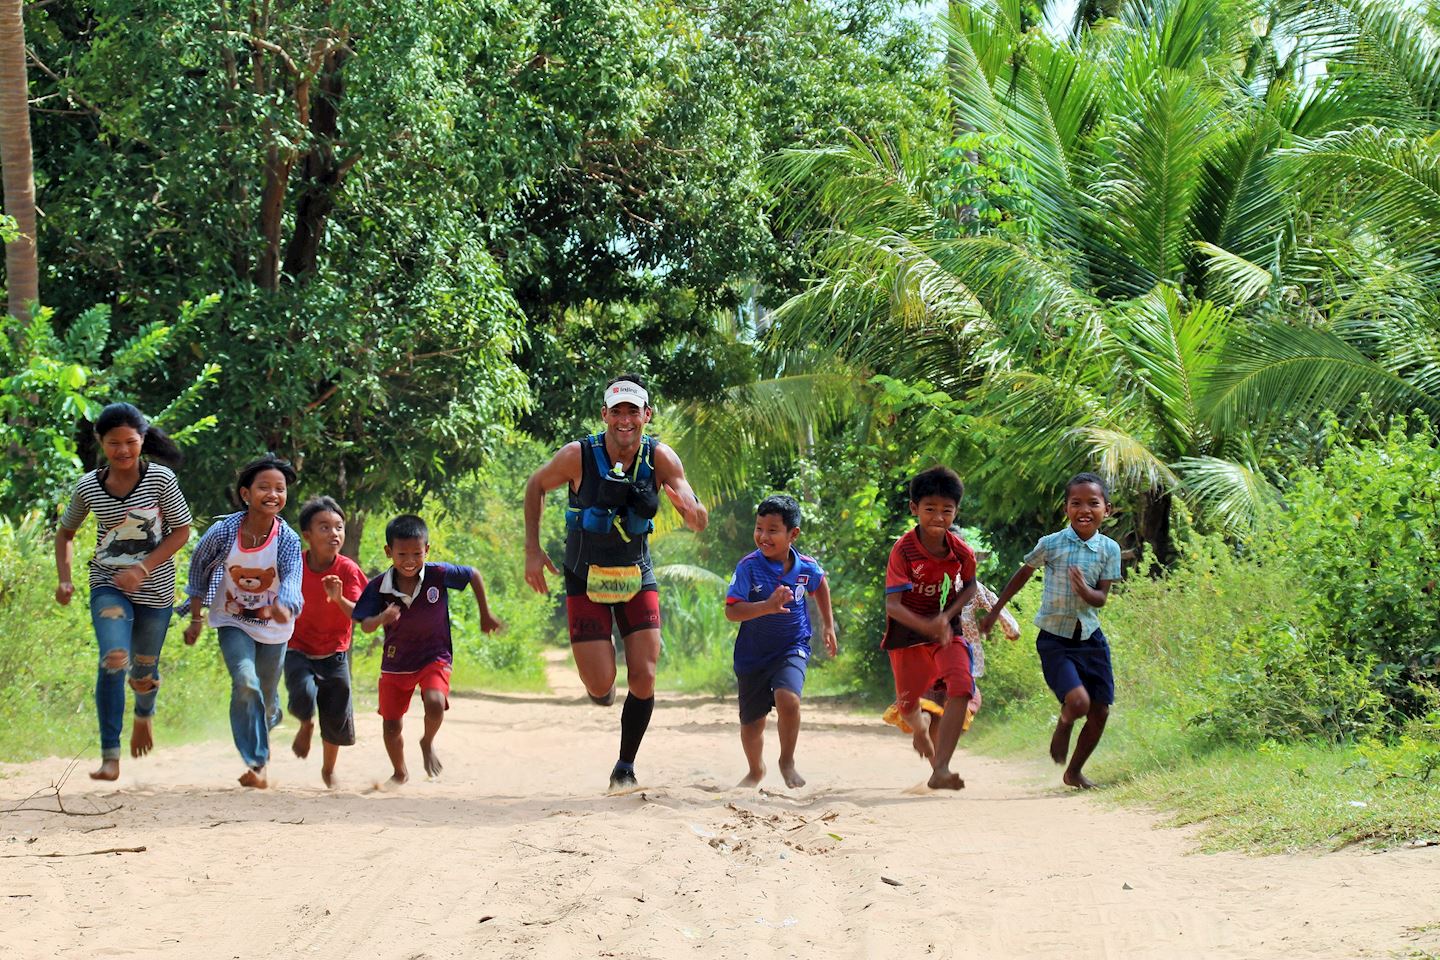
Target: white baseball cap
<point>626,391</point>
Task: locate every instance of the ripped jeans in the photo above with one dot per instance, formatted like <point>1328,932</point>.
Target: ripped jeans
<point>129,636</point>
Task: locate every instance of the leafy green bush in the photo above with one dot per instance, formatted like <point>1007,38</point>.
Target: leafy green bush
<point>1278,682</point>
<point>1363,535</point>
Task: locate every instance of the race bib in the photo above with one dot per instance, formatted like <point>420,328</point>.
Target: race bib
<point>612,584</point>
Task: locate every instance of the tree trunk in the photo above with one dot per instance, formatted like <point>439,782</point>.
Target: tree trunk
<point>22,266</point>
<point>320,172</point>
<point>1152,526</point>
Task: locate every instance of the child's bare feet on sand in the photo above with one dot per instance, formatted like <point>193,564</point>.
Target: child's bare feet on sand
<point>142,741</point>
<point>1060,740</point>
<point>753,778</point>
<point>328,776</point>
<point>255,778</point>
<point>1077,780</point>
<point>945,780</point>
<point>301,744</point>
<point>432,761</point>
<point>109,770</point>
<point>792,777</point>
<point>397,780</point>
<point>921,735</point>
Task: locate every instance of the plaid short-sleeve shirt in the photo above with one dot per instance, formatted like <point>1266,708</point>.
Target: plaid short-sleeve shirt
<point>1060,605</point>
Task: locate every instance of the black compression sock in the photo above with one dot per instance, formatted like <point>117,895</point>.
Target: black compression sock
<point>634,720</point>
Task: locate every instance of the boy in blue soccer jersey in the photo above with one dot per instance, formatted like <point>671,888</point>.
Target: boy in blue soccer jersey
<point>1080,565</point>
<point>767,598</point>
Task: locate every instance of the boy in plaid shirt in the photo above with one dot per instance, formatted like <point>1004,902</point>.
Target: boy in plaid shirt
<point>1080,565</point>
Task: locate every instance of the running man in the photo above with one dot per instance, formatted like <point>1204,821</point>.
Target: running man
<point>614,479</point>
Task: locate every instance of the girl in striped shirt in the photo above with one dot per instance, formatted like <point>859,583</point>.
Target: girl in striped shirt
<point>141,521</point>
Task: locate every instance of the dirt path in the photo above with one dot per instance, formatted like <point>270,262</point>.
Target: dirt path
<point>515,853</point>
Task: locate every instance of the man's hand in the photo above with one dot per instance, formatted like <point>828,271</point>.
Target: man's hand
<point>389,615</point>
<point>941,631</point>
<point>1082,586</point>
<point>130,579</point>
<point>64,592</point>
<point>489,623</point>
<point>537,561</point>
<point>334,587</point>
<point>832,646</point>
<point>280,613</point>
<point>782,597</point>
<point>192,632</point>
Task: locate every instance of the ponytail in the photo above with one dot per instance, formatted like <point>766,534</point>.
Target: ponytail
<point>157,446</point>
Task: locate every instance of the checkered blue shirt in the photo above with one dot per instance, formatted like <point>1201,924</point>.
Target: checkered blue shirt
<point>1061,606</point>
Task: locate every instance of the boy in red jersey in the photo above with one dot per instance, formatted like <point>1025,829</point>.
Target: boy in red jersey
<point>317,668</point>
<point>930,578</point>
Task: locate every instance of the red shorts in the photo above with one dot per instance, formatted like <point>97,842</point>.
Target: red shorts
<point>592,621</point>
<point>397,688</point>
<point>925,665</point>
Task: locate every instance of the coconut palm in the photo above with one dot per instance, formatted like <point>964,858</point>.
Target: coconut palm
<point>22,272</point>
<point>1165,214</point>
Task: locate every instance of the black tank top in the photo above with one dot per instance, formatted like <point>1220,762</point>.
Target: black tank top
<point>605,549</point>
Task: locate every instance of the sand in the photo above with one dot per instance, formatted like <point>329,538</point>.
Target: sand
<point>516,852</point>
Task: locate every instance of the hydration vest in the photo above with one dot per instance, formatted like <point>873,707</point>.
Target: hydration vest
<point>611,503</point>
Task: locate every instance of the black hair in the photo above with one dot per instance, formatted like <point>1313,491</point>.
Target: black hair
<point>786,507</point>
<point>1087,477</point>
<point>156,445</point>
<point>315,505</point>
<point>938,481</point>
<point>407,526</point>
<point>255,467</point>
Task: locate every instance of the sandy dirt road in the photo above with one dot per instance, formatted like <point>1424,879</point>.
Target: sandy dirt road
<point>515,852</point>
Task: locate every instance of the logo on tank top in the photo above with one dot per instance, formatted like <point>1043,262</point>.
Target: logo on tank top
<point>433,594</point>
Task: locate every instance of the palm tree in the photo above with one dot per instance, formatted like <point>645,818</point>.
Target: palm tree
<point>22,269</point>
<point>1162,168</point>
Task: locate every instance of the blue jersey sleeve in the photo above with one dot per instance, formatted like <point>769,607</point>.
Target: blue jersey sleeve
<point>740,583</point>
<point>457,577</point>
<point>369,603</point>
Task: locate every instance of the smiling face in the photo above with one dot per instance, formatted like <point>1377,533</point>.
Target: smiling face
<point>773,538</point>
<point>1086,506</point>
<point>121,446</point>
<point>408,555</point>
<point>266,494</point>
<point>934,514</point>
<point>625,423</point>
<point>325,535</point>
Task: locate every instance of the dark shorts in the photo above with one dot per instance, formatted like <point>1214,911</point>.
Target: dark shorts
<point>322,685</point>
<point>757,688</point>
<point>600,621</point>
<point>1069,663</point>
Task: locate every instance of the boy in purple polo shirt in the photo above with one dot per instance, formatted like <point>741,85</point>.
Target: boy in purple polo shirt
<point>767,598</point>
<point>410,601</point>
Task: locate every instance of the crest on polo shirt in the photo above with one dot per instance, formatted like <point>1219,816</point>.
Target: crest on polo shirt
<point>433,594</point>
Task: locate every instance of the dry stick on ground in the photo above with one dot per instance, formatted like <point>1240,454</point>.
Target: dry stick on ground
<point>54,791</point>
<point>85,853</point>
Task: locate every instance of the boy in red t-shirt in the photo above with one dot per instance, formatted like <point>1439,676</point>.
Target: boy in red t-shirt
<point>930,578</point>
<point>317,668</point>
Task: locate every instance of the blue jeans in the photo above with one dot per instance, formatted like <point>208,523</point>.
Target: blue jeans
<point>254,692</point>
<point>129,636</point>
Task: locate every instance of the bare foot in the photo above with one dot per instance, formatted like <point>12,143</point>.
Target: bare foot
<point>753,778</point>
<point>921,737</point>
<point>141,739</point>
<point>432,762</point>
<point>792,777</point>
<point>301,744</point>
<point>397,780</point>
<point>109,770</point>
<point>254,778</point>
<point>328,776</point>
<point>1077,780</point>
<point>1060,741</point>
<point>945,781</point>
